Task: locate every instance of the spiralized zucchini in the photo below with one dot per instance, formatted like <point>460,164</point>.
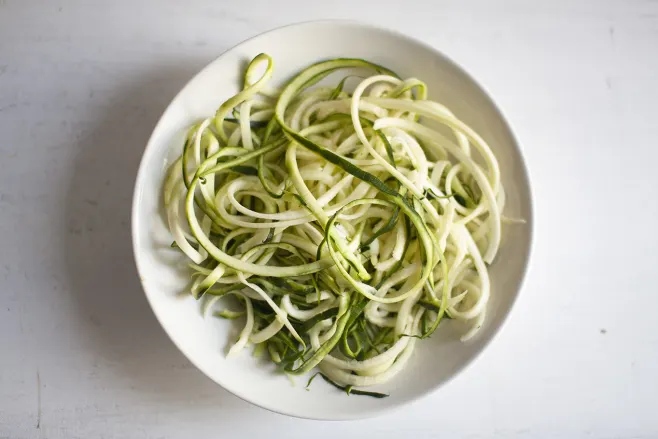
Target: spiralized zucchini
<point>345,225</point>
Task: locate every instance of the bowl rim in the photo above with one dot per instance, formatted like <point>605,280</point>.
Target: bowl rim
<point>529,221</point>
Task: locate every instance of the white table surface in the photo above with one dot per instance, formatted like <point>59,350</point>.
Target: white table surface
<point>82,84</point>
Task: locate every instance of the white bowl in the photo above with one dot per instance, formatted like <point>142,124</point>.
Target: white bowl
<point>204,341</point>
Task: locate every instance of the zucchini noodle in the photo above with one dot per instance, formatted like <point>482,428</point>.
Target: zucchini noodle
<point>344,225</point>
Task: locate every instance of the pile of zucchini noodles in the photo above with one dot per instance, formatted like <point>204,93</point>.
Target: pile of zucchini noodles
<point>343,228</point>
